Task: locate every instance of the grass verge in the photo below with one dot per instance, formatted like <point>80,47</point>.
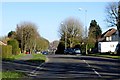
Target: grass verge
<point>14,57</point>
<point>12,74</point>
<point>37,58</point>
<point>106,56</point>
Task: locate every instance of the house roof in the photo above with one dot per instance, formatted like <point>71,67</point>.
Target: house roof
<point>109,32</point>
<point>1,43</point>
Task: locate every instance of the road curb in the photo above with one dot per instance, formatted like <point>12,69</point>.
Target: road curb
<point>47,59</point>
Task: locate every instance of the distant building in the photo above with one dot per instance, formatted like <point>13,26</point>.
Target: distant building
<point>53,46</point>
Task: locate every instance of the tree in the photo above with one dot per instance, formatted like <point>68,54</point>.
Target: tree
<point>112,14</point>
<point>26,34</point>
<point>94,33</point>
<point>41,44</point>
<point>71,29</point>
<point>12,34</point>
<point>60,48</point>
<point>119,19</point>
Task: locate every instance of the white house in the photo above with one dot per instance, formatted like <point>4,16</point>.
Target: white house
<point>109,36</point>
<point>108,41</point>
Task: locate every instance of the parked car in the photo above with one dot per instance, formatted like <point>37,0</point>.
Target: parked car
<point>69,51</point>
<point>77,51</point>
<point>44,52</point>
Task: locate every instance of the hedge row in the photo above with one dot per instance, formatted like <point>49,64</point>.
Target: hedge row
<point>6,51</point>
<point>15,46</point>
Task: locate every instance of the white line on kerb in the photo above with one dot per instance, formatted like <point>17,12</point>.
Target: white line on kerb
<point>93,69</point>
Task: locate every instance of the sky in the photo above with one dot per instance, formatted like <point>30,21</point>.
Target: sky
<point>49,15</point>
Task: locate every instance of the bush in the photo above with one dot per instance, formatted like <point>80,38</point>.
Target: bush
<point>15,46</point>
<point>6,51</point>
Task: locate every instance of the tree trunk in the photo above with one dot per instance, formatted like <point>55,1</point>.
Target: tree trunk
<point>119,21</point>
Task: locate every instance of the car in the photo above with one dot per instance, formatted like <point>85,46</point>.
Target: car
<point>69,51</point>
<point>44,52</point>
<point>77,51</point>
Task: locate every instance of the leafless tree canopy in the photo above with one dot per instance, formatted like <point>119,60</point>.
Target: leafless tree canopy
<point>112,14</point>
<point>72,28</point>
<point>26,35</point>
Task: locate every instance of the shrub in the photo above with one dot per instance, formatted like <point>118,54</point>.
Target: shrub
<point>15,46</point>
<point>6,51</point>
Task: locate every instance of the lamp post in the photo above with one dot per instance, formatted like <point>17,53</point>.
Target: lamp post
<point>85,29</point>
<point>65,35</point>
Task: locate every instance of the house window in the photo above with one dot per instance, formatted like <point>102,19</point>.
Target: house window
<point>108,38</point>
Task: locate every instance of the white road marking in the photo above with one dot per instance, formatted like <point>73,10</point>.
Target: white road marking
<point>92,69</point>
<point>38,67</point>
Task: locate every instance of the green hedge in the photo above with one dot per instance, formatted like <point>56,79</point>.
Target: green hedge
<point>15,46</point>
<point>6,51</point>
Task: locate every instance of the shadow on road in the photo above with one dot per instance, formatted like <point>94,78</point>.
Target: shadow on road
<point>20,65</point>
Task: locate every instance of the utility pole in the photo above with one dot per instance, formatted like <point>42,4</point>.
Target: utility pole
<point>85,30</point>
<point>65,35</point>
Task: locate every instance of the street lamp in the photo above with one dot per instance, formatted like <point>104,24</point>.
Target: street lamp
<point>65,35</point>
<point>85,28</point>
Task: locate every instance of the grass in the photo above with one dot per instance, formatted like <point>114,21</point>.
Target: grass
<point>12,74</point>
<point>14,57</point>
<point>18,56</point>
<point>106,56</point>
<point>37,59</point>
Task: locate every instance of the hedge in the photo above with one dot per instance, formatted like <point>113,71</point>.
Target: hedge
<point>6,51</point>
<point>15,46</point>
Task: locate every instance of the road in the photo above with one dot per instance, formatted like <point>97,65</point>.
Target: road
<point>70,66</point>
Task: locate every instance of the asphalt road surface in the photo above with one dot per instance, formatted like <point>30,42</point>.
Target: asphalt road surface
<point>68,66</point>
<point>71,66</point>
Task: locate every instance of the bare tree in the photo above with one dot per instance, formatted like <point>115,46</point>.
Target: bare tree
<point>112,14</point>
<point>71,29</point>
<point>26,35</point>
<point>119,19</point>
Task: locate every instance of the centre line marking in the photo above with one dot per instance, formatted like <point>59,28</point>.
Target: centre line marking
<point>93,69</point>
